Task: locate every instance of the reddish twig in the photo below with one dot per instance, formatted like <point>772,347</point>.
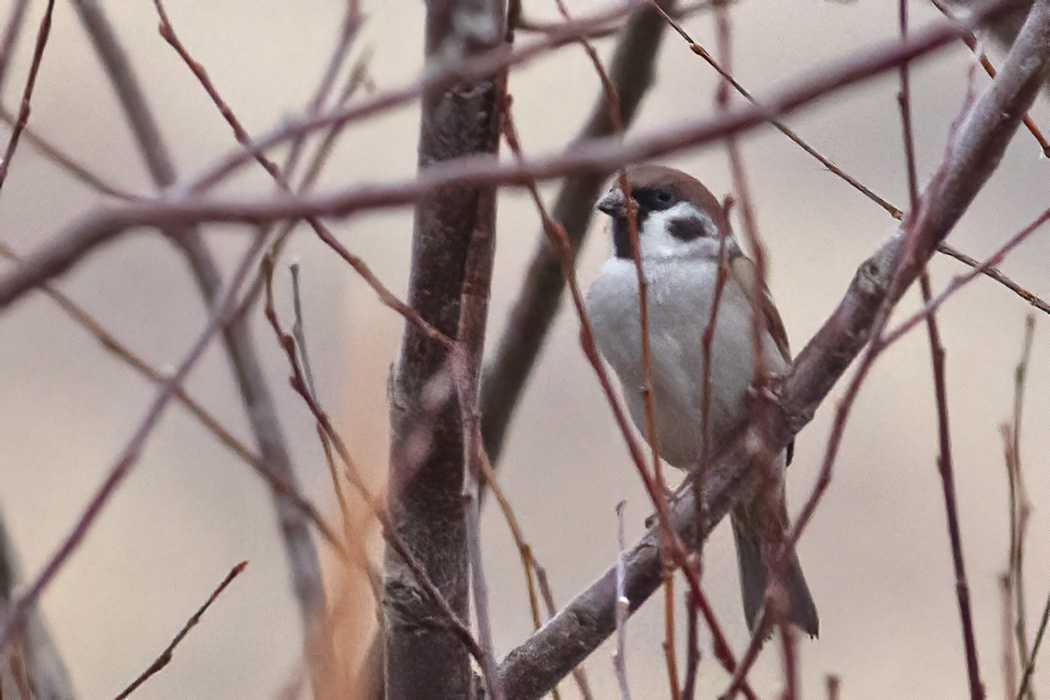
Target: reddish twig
<point>944,458</point>
<point>27,92</point>
<point>997,275</point>
<point>68,163</point>
<point>15,615</point>
<point>390,536</point>
<point>165,656</point>
<point>600,154</point>
<point>10,37</point>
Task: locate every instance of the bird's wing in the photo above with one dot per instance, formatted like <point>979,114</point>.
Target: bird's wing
<point>743,271</point>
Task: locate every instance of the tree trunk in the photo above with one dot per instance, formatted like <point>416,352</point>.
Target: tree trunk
<point>451,257</point>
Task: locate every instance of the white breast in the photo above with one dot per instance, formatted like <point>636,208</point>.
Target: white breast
<point>680,293</point>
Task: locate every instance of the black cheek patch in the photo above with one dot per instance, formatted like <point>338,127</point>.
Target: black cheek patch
<point>688,229</point>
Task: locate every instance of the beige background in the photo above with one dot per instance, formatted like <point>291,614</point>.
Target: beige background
<point>876,554</point>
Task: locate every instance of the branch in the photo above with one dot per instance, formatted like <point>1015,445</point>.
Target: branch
<point>529,670</point>
<point>452,250</point>
<point>631,74</point>
<point>41,663</point>
<point>305,568</point>
<point>169,651</point>
<point>605,154</point>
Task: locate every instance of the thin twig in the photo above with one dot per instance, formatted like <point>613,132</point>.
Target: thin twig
<point>1030,666</point>
<point>623,605</point>
<point>297,381</point>
<point>12,30</point>
<point>937,353</point>
<point>67,162</point>
<point>27,92</point>
<point>298,331</point>
<point>16,613</point>
<point>997,275</point>
<point>165,656</point>
<point>1020,507</point>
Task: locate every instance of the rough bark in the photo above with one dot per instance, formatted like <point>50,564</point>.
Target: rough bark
<point>451,260</point>
<point>531,669</point>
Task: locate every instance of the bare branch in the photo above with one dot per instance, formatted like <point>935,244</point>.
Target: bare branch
<point>599,154</point>
<point>27,93</point>
<point>165,656</point>
<point>578,628</point>
<point>305,568</point>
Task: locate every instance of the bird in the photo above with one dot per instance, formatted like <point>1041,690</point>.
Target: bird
<point>683,233</point>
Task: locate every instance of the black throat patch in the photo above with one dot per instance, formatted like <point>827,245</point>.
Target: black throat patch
<point>622,233</point>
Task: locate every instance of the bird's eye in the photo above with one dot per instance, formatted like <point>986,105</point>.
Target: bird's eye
<point>663,197</point>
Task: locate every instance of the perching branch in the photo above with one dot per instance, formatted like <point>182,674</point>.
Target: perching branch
<point>529,670</point>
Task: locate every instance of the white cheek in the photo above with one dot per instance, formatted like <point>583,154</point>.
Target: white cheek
<point>657,240</point>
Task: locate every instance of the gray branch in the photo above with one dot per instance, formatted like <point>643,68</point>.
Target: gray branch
<point>631,73</point>
<point>304,565</point>
<point>530,670</point>
<point>452,249</point>
<point>38,665</point>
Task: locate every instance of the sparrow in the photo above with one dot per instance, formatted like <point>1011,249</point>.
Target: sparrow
<point>683,232</point>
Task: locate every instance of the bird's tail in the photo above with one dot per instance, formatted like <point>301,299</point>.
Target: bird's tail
<point>801,610</point>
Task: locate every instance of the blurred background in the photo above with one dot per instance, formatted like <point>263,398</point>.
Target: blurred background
<point>876,554</point>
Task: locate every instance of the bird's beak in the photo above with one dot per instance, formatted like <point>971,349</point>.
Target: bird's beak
<point>612,203</point>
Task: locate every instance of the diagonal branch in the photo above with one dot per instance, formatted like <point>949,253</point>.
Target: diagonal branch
<point>530,669</point>
<point>603,154</point>
<point>259,406</point>
<point>631,73</point>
